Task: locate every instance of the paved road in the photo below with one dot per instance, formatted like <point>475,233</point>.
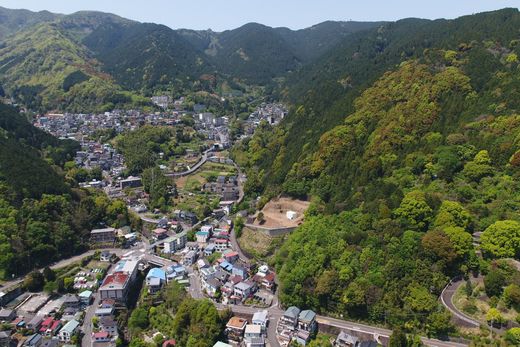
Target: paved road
<point>192,169</point>
<point>60,264</point>
<point>87,321</point>
<point>447,300</point>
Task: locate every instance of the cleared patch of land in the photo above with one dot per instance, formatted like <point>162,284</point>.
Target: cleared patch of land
<point>275,213</point>
<point>259,245</point>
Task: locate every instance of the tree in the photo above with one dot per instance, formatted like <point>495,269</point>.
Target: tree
<point>512,295</point>
<point>513,336</point>
<point>138,319</point>
<point>494,316</point>
<point>420,299</point>
<point>502,239</point>
<point>452,214</point>
<point>494,282</point>
<point>439,323</point>
<point>398,338</point>
<point>49,274</point>
<point>468,288</point>
<point>439,245</point>
<point>34,281</point>
<point>414,210</point>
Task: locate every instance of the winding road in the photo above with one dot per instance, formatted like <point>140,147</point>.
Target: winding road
<point>447,300</point>
<point>195,167</point>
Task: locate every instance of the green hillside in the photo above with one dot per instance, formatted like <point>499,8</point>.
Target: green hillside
<point>12,21</point>
<point>146,55</point>
<point>323,93</point>
<point>43,217</point>
<point>405,144</point>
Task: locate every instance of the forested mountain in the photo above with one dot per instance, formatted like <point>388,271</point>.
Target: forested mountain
<point>43,218</point>
<point>406,140</point>
<point>12,21</point>
<point>96,61</point>
<point>323,93</point>
<point>145,55</point>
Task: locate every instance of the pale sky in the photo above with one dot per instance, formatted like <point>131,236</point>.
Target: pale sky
<point>296,14</point>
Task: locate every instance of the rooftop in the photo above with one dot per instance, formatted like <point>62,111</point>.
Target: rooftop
<point>253,329</point>
<point>307,316</point>
<point>70,327</point>
<point>292,312</point>
<point>237,323</point>
<point>157,273</point>
<point>116,280</point>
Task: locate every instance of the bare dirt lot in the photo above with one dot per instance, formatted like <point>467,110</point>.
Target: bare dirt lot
<point>275,213</point>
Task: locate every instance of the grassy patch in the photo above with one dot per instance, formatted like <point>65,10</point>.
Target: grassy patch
<point>259,245</point>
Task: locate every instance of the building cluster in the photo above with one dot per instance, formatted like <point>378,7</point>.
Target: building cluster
<point>272,113</point>
<point>226,187</point>
<point>157,278</point>
<point>248,333</point>
<point>229,279</point>
<point>45,322</point>
<point>213,128</point>
<point>296,325</point>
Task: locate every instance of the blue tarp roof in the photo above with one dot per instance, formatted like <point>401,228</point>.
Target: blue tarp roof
<point>158,273</point>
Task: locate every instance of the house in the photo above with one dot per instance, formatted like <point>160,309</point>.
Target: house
<point>68,331</point>
<point>175,243</point>
<point>106,256</point>
<point>71,301</point>
<point>54,328</point>
<point>260,318</point>
<point>307,321</point>
<point>202,236</point>
<point>160,274</point>
<point>109,325</point>
<point>222,276</point>
<point>5,338</point>
<point>268,281</point>
<point>106,235</point>
<point>46,324</point>
<point>35,323</point>
<point>302,337</point>
<point>85,297</point>
<point>202,263</point>
<point>346,340</point>
<point>192,246</point>
<point>244,289</point>
<point>107,303</point>
<point>209,250</point>
<point>290,317</point>
<point>207,273</point>
<point>154,285</point>
<point>130,182</point>
<point>253,336</point>
<point>221,245</point>
<point>104,312</point>
<point>190,258</point>
<point>159,234</point>
<point>50,343</point>
<point>35,340</point>
<point>7,315</point>
<point>231,257</point>
<point>221,344</point>
<point>175,271</point>
<point>235,329</point>
<point>101,336</point>
<point>239,271</point>
<point>212,286</point>
<point>227,266</point>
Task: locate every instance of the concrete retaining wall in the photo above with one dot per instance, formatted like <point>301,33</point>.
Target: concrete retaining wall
<point>270,231</point>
